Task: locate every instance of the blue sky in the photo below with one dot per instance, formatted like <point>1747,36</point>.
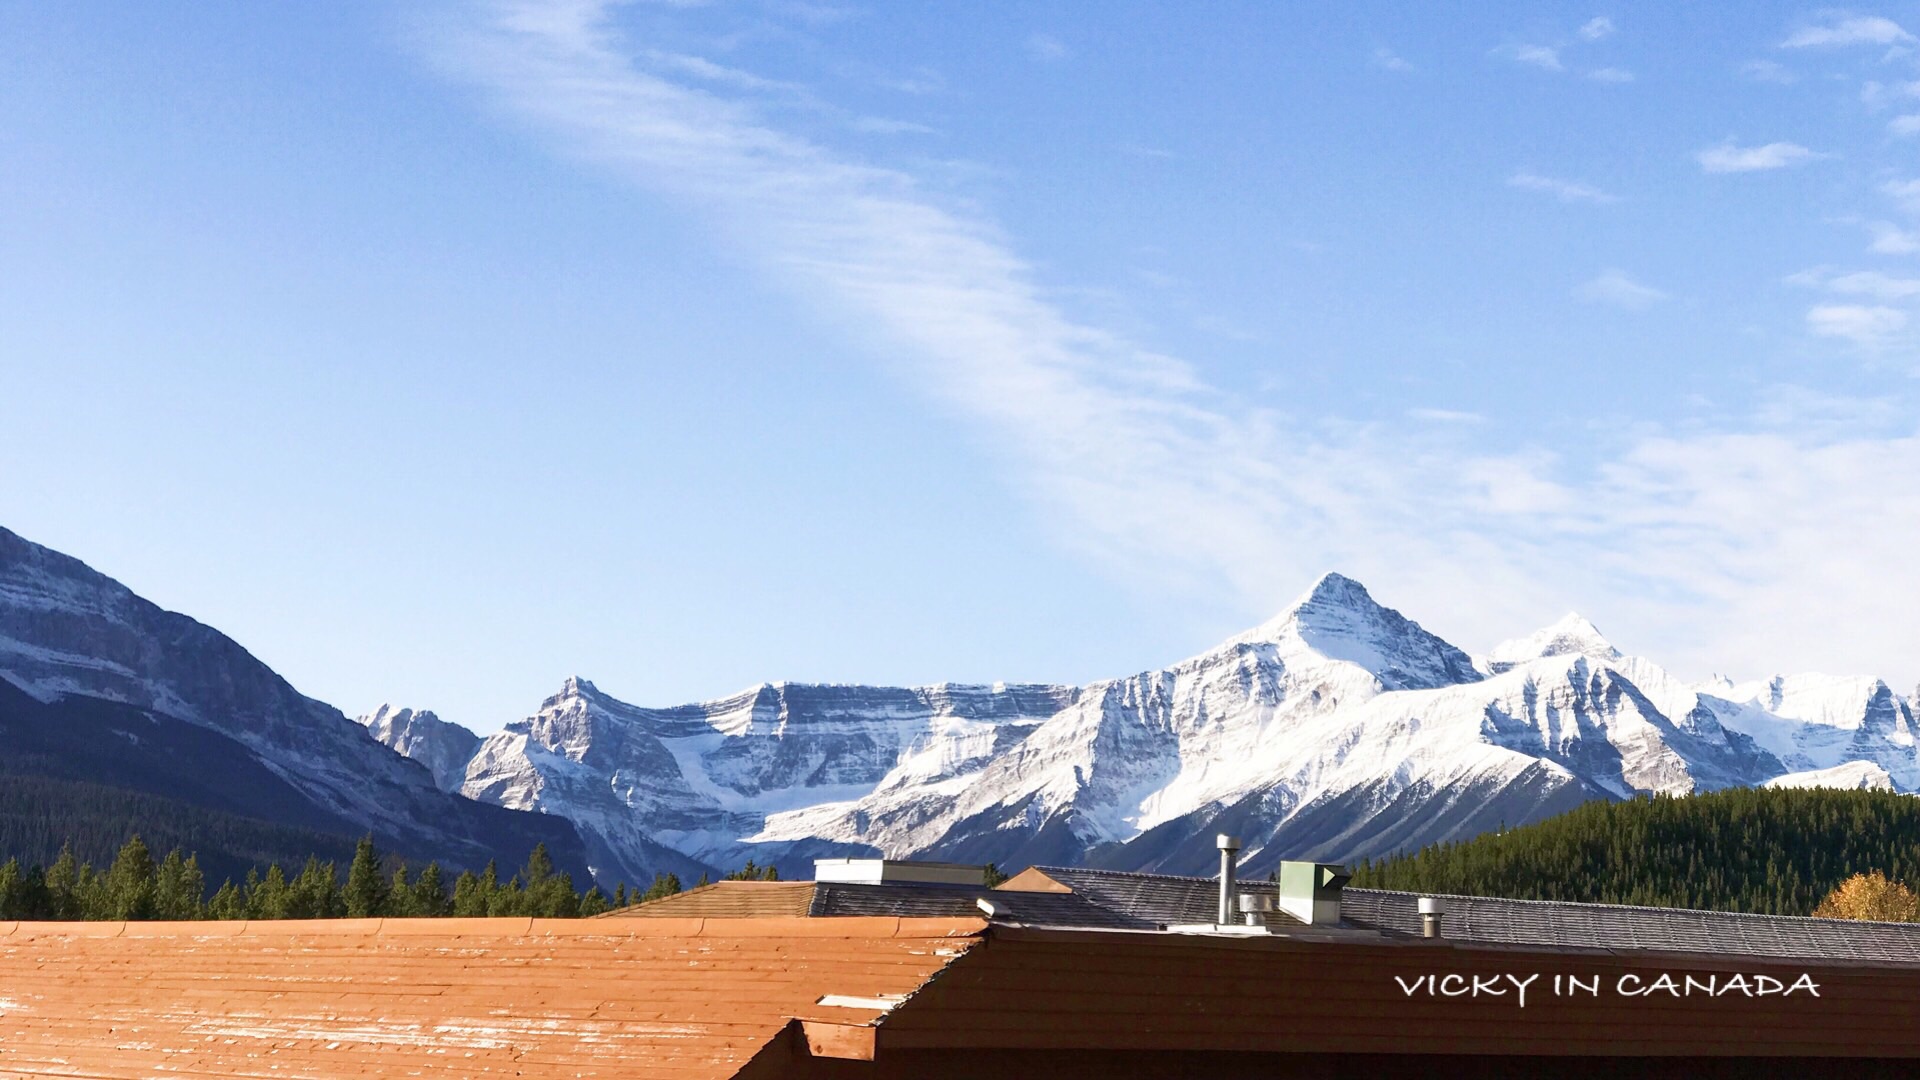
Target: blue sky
<point>438,355</point>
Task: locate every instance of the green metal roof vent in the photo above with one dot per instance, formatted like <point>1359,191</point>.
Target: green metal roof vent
<point>1310,891</point>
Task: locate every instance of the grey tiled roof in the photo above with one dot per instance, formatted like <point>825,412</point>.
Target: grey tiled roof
<point>1165,899</point>
<point>1154,899</point>
<point>1616,926</point>
<point>1065,910</point>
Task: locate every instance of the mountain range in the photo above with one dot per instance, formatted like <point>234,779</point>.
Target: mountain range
<point>1337,730</point>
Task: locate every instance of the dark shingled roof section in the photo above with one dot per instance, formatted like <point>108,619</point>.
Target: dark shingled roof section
<point>1166,899</point>
<point>1157,899</point>
<point>1615,926</point>
<point>769,899</point>
<point>1056,910</point>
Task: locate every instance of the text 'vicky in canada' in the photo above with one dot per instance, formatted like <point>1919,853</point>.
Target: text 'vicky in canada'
<point>1516,987</point>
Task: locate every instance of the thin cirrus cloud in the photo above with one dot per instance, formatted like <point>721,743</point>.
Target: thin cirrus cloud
<point>1698,540</point>
<point>1544,57</point>
<point>1769,71</point>
<point>1891,239</point>
<point>1868,326</point>
<point>1047,49</point>
<point>1596,28</point>
<point>1389,60</point>
<point>1842,30</point>
<point>1564,190</point>
<point>1610,75</point>
<point>1904,126</point>
<point>1729,158</point>
<point>1617,288</point>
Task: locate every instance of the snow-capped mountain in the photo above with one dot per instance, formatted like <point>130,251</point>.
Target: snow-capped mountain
<point>1338,729</point>
<point>85,658</point>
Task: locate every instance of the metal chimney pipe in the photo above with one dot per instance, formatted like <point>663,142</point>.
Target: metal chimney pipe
<point>1431,909</point>
<point>1229,856</point>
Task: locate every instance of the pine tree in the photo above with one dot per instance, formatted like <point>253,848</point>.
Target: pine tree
<point>227,903</point>
<point>13,899</point>
<point>620,895</point>
<point>663,885</point>
<point>178,887</point>
<point>750,872</point>
<point>365,893</point>
<point>400,902</point>
<point>129,883</point>
<point>63,886</point>
<point>470,894</point>
<point>429,895</point>
<point>547,894</point>
<point>594,903</point>
<point>316,892</point>
<point>507,899</point>
<point>270,897</point>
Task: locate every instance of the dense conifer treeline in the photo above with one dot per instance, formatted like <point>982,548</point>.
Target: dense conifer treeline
<point>40,816</point>
<point>135,886</point>
<point>1755,850</point>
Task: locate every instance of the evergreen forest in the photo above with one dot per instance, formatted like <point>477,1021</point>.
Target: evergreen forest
<point>137,886</point>
<point>1743,849</point>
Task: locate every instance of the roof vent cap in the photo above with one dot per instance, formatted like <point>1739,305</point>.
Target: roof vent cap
<point>898,871</point>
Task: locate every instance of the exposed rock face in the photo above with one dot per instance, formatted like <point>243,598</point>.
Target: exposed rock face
<point>67,631</point>
<point>1336,730</point>
<point>443,748</point>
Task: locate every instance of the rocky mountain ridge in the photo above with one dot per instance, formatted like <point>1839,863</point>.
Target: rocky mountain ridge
<point>154,697</point>
<point>1337,730</point>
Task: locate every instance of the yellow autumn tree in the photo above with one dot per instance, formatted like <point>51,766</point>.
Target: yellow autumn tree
<point>1870,896</point>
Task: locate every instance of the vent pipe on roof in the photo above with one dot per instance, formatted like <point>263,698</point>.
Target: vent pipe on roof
<point>1229,856</point>
<point>1431,909</point>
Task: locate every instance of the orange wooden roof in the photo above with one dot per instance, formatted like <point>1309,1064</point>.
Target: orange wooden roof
<point>526,998</point>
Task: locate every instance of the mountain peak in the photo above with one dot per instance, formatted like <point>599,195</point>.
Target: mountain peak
<point>1337,590</point>
<point>1338,619</point>
<point>1571,635</point>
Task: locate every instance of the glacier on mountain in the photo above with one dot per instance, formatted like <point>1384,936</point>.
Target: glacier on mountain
<point>1337,730</point>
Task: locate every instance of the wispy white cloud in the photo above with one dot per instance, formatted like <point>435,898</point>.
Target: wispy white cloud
<point>1875,94</point>
<point>1904,126</point>
<point>1904,192</point>
<point>1160,475</point>
<point>707,71</point>
<point>1610,75</point>
<point>1046,48</point>
<point>1617,288</point>
<point>1840,30</point>
<point>1447,416</point>
<point>1564,190</point>
<point>1875,284</point>
<point>1768,71</point>
<point>1544,57</point>
<point>1891,239</point>
<point>1867,326</point>
<point>880,125</point>
<point>1728,158</point>
<point>1596,28</point>
<point>1384,57</point>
